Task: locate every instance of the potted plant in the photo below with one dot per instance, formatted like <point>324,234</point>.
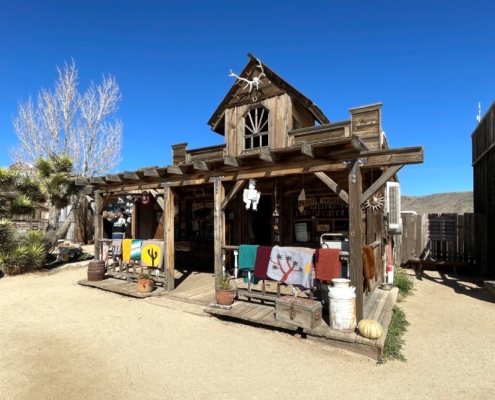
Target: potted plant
<point>145,283</point>
<point>224,294</point>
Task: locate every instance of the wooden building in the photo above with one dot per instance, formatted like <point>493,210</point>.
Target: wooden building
<point>280,138</point>
<point>483,147</point>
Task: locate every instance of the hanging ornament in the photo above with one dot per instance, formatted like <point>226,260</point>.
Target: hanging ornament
<point>374,203</point>
<point>302,197</point>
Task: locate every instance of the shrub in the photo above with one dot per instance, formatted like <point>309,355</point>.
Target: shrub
<point>393,343</point>
<point>21,254</point>
<point>403,281</point>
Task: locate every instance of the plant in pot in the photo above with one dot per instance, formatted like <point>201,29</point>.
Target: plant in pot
<point>224,294</point>
<point>145,283</point>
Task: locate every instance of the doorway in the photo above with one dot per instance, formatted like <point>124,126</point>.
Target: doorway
<point>262,221</point>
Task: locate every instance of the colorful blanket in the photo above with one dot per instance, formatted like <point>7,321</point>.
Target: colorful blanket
<point>247,259</point>
<point>136,249</point>
<point>291,266</point>
<point>126,251</point>
<point>152,254</point>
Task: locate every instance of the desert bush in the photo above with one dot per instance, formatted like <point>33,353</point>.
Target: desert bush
<point>20,254</point>
<point>394,342</point>
<point>403,281</point>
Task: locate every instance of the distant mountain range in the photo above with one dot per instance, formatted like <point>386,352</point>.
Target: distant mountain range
<point>453,202</point>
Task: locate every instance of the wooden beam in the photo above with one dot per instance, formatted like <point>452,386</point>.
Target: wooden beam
<point>152,172</point>
<point>218,226</point>
<point>88,190</point>
<point>386,175</point>
<point>307,150</point>
<point>158,198</point>
<point>175,169</point>
<point>232,161</point>
<point>168,239</point>
<point>355,238</point>
<point>80,181</point>
<point>98,226</point>
<point>200,165</point>
<point>238,186</point>
<point>113,178</point>
<point>97,179</point>
<point>333,185</point>
<point>104,203</point>
<point>131,175</point>
<point>402,156</point>
<point>267,155</point>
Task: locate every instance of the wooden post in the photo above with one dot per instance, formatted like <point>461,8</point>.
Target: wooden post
<point>168,238</point>
<point>355,236</point>
<point>218,225</point>
<point>98,224</point>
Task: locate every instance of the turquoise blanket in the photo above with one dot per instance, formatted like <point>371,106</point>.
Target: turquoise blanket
<point>247,259</point>
<point>136,249</point>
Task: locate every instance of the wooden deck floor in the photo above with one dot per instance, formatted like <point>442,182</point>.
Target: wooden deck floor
<point>191,287</point>
<point>121,286</point>
<point>379,306</point>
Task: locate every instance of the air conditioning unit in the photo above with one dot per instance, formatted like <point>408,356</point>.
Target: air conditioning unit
<point>393,205</point>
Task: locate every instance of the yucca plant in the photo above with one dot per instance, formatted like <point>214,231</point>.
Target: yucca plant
<point>20,254</point>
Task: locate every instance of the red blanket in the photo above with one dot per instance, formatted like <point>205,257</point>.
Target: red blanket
<point>262,261</point>
<point>328,264</point>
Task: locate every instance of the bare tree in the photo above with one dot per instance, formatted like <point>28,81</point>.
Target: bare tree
<point>66,122</point>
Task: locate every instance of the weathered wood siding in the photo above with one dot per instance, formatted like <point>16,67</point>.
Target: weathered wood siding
<point>206,153</point>
<point>179,153</point>
<point>366,123</point>
<point>278,122</point>
<point>483,149</point>
<point>319,133</point>
<point>301,117</point>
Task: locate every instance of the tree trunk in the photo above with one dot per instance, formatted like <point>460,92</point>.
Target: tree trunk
<point>52,232</point>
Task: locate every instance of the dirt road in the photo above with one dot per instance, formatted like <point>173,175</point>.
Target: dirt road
<point>59,340</point>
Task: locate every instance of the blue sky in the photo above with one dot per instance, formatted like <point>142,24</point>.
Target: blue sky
<point>428,62</point>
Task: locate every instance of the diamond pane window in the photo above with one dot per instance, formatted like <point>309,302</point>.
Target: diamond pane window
<point>256,128</point>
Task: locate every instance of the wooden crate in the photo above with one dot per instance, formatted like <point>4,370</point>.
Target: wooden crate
<point>304,313</point>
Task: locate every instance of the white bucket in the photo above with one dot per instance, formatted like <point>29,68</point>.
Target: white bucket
<point>342,306</point>
<point>390,274</point>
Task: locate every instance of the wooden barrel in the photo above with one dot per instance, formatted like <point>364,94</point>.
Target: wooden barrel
<point>96,270</point>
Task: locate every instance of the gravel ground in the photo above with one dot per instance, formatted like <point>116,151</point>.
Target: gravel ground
<point>59,340</point>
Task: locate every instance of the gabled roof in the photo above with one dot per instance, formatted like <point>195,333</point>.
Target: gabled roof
<point>278,84</point>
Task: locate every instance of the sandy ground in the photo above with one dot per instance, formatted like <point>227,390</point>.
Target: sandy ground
<point>59,340</point>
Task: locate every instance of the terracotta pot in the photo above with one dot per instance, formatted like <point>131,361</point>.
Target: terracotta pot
<point>224,297</point>
<point>145,285</point>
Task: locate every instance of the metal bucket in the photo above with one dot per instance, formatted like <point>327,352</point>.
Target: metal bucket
<point>96,270</point>
<point>342,306</point>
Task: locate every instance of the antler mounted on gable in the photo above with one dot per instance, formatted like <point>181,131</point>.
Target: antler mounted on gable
<point>256,80</point>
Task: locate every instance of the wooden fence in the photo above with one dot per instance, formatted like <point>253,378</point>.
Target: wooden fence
<point>30,224</point>
<point>436,239</point>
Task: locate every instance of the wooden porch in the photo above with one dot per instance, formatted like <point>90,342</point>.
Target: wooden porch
<point>378,306</point>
